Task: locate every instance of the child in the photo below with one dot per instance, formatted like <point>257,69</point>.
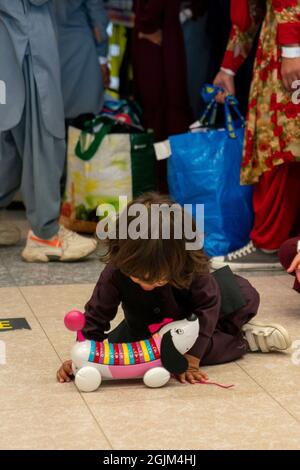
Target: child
<point>155,279</point>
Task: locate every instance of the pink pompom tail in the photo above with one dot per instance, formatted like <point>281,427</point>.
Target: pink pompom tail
<point>75,320</point>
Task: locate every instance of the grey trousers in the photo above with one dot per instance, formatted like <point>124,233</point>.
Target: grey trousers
<point>32,159</point>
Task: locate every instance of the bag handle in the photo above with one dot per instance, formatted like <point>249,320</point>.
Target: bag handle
<point>209,93</point>
<point>88,153</point>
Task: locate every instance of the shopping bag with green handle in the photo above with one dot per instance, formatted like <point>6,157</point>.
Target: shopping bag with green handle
<point>105,161</point>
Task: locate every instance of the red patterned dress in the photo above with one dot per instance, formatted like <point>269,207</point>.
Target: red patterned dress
<point>273,124</point>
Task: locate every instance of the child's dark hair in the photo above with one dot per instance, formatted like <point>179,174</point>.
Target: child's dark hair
<point>151,260</point>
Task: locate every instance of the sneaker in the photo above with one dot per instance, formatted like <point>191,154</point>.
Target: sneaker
<point>262,337</point>
<point>65,246</point>
<point>9,234</point>
<point>248,257</point>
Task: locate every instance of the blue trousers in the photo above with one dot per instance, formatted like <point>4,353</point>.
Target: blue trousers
<point>32,159</point>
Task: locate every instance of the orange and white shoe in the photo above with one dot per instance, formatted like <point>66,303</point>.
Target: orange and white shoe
<point>65,246</point>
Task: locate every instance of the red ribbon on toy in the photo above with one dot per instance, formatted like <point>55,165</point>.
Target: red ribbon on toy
<point>157,326</point>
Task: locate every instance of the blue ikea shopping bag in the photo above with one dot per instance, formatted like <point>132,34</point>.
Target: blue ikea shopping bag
<point>204,168</point>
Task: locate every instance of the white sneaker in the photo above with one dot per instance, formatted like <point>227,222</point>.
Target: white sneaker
<point>9,234</point>
<point>265,338</point>
<point>65,246</point>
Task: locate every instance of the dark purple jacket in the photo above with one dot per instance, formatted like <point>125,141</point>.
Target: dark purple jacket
<point>143,308</point>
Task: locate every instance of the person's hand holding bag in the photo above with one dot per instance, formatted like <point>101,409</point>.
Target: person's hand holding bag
<point>226,81</point>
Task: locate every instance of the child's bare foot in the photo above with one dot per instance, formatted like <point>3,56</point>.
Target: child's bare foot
<point>65,372</point>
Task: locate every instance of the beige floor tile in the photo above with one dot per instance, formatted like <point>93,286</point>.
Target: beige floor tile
<point>273,372</point>
<point>56,301</point>
<point>59,427</point>
<point>61,339</point>
<point>29,374</point>
<point>24,441</point>
<point>251,422</point>
<point>28,378</point>
<point>13,304</point>
<point>289,401</point>
<point>21,396</point>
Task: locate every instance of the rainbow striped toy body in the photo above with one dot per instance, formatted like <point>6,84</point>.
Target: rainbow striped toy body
<point>152,359</point>
<point>119,361</point>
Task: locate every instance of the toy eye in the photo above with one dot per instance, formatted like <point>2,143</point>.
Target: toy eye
<point>179,331</point>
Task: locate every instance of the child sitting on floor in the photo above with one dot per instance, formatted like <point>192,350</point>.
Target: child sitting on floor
<point>158,278</point>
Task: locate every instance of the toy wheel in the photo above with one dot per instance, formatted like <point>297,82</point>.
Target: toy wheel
<point>88,379</point>
<point>156,377</point>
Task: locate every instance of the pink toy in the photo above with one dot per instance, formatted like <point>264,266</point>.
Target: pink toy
<point>74,320</point>
<point>153,359</point>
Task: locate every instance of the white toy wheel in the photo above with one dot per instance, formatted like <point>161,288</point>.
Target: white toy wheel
<point>88,379</point>
<point>156,377</point>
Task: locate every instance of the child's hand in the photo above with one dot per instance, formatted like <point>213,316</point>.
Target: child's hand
<point>193,374</point>
<point>65,372</point>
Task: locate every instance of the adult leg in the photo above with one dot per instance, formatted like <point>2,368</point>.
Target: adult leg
<point>43,162</point>
<point>276,205</point>
<point>10,181</point>
<point>10,169</point>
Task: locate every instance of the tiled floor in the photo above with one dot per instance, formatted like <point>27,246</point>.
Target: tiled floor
<point>262,411</point>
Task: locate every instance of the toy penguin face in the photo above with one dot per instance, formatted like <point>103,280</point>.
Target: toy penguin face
<point>184,333</point>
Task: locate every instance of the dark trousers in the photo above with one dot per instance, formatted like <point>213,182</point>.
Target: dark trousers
<point>227,344</point>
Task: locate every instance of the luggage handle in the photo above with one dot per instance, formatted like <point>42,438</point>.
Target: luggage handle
<point>209,93</point>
